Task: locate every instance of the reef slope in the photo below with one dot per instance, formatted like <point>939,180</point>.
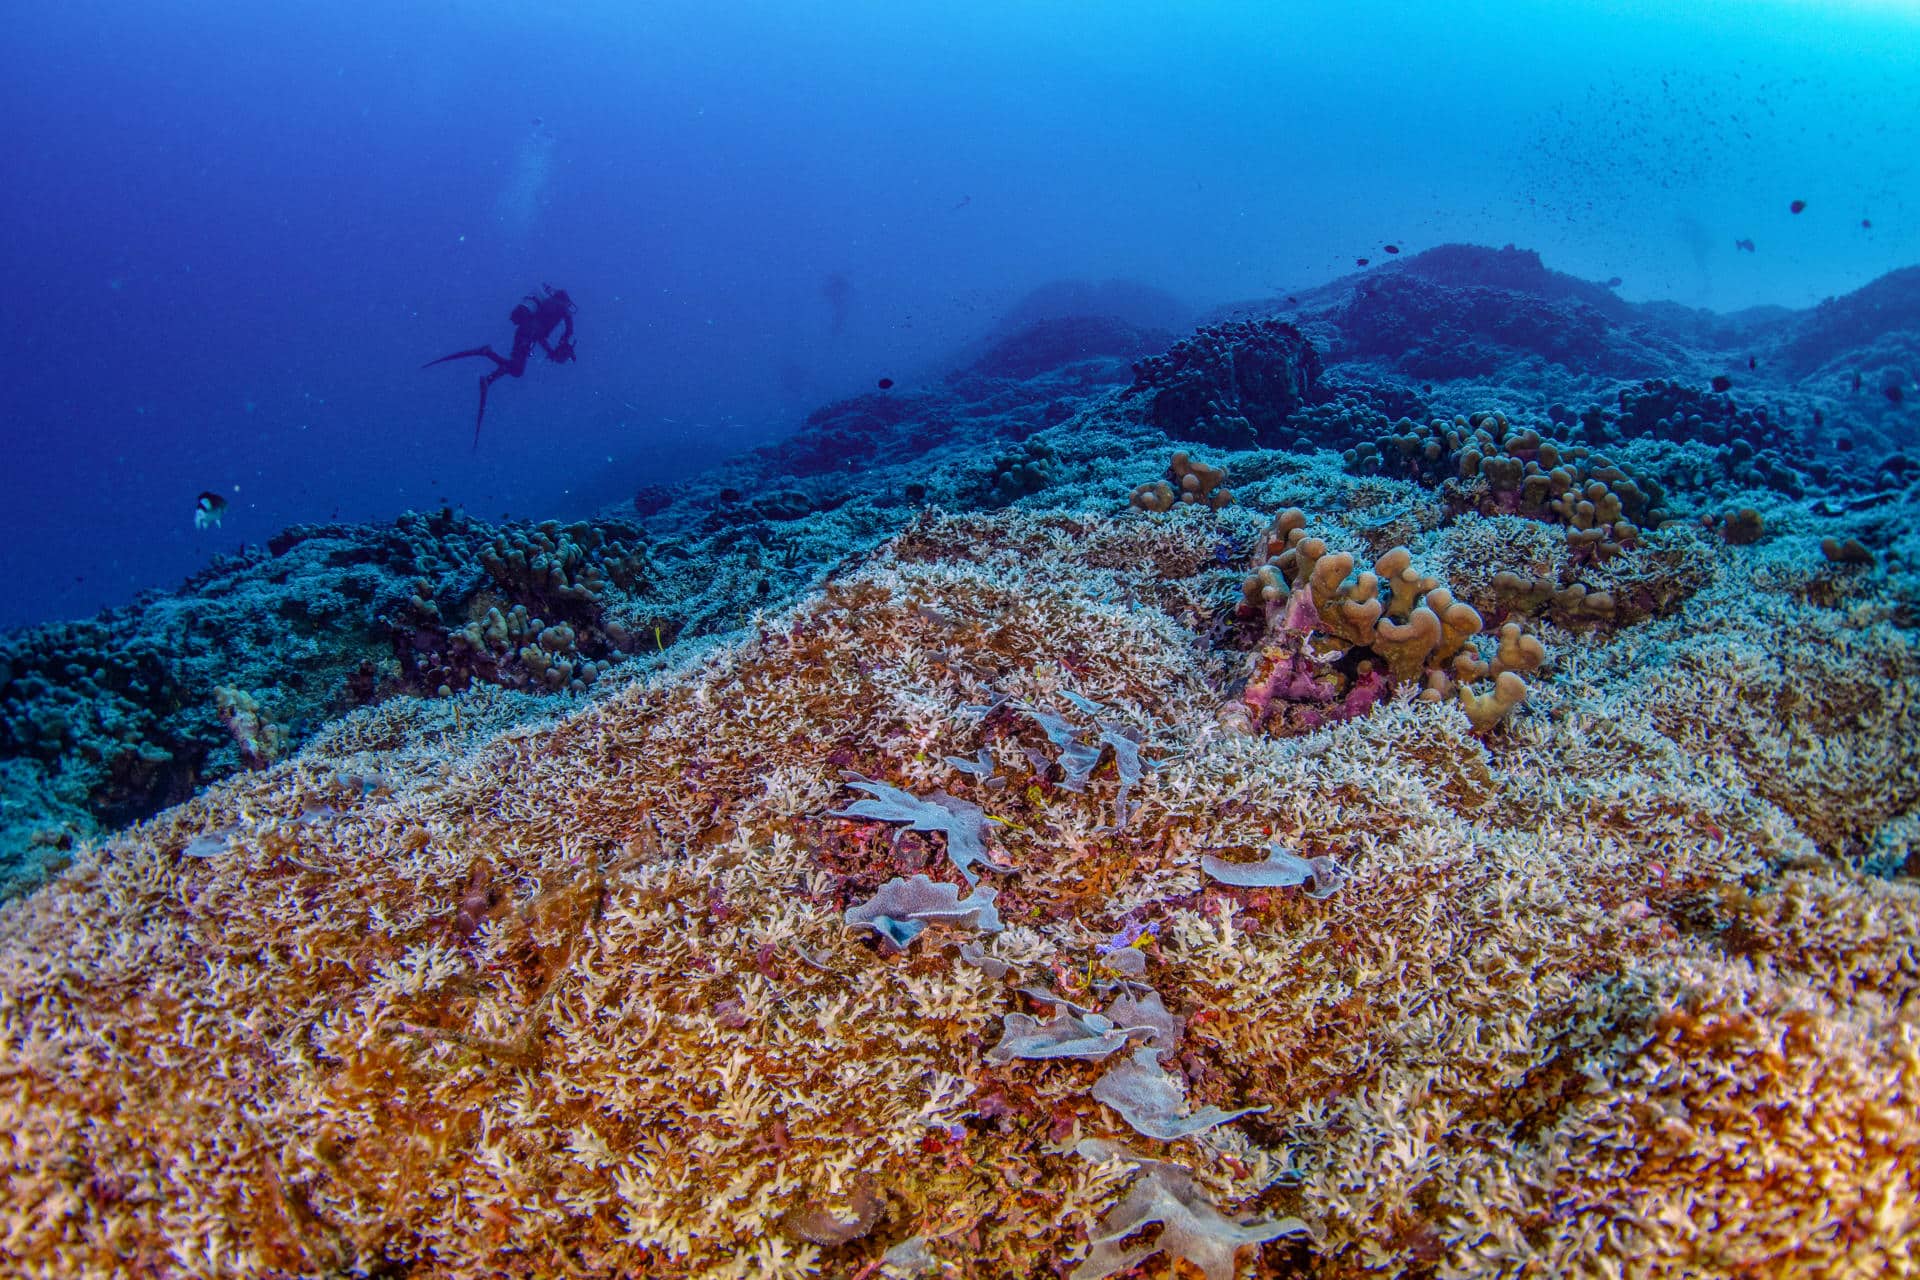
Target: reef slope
<point>577,997</point>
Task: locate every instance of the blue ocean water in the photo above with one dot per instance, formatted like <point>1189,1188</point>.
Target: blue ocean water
<point>233,233</point>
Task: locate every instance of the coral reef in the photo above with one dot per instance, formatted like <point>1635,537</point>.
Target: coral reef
<point>891,854</point>
<point>582,993</point>
<point>1433,323</point>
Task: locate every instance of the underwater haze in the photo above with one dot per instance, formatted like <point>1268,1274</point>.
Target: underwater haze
<point>235,232</point>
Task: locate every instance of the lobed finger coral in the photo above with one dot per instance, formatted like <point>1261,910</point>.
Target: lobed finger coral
<point>1411,629</point>
<point>1191,481</point>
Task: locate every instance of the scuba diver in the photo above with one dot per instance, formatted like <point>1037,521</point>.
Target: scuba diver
<point>534,321</point>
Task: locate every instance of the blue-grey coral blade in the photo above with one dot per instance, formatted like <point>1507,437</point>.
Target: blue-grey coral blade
<point>923,900</point>
<point>1065,1035</point>
<point>1280,870</point>
<point>961,822</point>
<point>1151,1100</point>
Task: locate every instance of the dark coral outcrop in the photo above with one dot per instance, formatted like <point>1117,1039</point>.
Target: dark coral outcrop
<point>1234,385</point>
<point>1050,344</point>
<point>1435,331</point>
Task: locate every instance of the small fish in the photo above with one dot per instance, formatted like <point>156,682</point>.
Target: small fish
<point>1391,248</point>
<point>1796,206</point>
<point>1856,379</point>
<point>208,508</point>
<point>1745,246</point>
<point>1752,363</point>
<point>1292,301</point>
<point>886,384</point>
<point>1866,224</point>
<point>1614,282</point>
<point>1360,262</point>
<point>1721,382</point>
<point>1895,392</point>
<point>1820,420</point>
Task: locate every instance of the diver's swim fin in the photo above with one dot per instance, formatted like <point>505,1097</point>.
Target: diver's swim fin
<point>479,417</point>
<point>461,355</point>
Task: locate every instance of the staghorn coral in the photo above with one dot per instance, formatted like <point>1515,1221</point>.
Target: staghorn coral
<point>1816,707</point>
<point>1566,998</point>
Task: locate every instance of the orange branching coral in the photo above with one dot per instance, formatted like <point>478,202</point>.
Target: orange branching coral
<point>465,990</point>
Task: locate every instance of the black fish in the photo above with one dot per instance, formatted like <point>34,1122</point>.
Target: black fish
<point>1895,392</point>
<point>1392,248</point>
<point>208,508</point>
<point>1796,206</point>
<point>1721,382</point>
<point>1744,245</point>
<point>1866,224</point>
<point>1856,380</point>
<point>886,384</point>
<point>1360,262</point>
<point>1752,363</point>
<point>1614,283</point>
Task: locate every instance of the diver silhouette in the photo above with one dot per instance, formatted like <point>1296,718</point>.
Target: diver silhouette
<point>534,321</point>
